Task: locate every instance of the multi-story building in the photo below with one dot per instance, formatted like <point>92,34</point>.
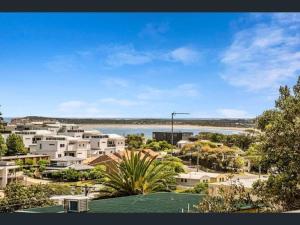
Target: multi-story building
<point>167,136</point>
<point>71,130</point>
<point>57,146</point>
<point>104,143</point>
<point>30,137</point>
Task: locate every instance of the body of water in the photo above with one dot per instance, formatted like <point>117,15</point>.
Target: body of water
<point>148,131</point>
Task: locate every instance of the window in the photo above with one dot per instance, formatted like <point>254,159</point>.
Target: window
<point>181,180</point>
<point>52,144</point>
<point>59,155</point>
<point>98,144</point>
<point>62,145</point>
<point>73,206</point>
<point>185,180</point>
<point>40,146</point>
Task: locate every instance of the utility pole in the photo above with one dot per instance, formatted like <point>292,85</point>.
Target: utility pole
<point>199,148</point>
<point>172,122</point>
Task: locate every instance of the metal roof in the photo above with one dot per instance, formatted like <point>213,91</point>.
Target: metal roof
<point>163,202</point>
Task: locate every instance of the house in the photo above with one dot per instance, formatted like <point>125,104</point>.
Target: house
<point>246,181</point>
<point>182,143</point>
<point>193,178</point>
<point>108,160</point>
<point>9,172</point>
<point>66,162</point>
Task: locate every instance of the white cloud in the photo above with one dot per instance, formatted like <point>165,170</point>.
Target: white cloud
<point>184,90</point>
<point>184,55</point>
<point>232,113</point>
<point>265,54</point>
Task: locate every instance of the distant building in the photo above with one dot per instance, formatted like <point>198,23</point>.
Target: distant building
<point>182,143</point>
<point>167,136</point>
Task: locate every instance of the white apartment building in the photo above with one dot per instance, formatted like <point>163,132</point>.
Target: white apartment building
<point>104,143</point>
<point>71,130</point>
<point>57,146</point>
<point>30,137</point>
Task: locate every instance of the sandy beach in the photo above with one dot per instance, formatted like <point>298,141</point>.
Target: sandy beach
<point>156,126</point>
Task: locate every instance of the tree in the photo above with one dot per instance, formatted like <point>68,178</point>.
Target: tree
<point>134,141</point>
<point>158,145</point>
<point>200,188</point>
<point>280,148</point>
<point>173,163</point>
<point>138,174</point>
<point>228,200</point>
<point>15,145</point>
<point>3,146</point>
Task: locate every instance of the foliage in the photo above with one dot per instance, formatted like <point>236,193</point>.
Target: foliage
<point>139,174</point>
<point>158,145</point>
<point>72,175</point>
<point>280,148</point>
<point>19,196</point>
<point>134,141</point>
<point>200,188</point>
<point>231,199</point>
<point>3,146</point>
<point>173,163</point>
<point>213,156</point>
<point>42,164</point>
<point>242,141</point>
<point>15,145</point>
<point>254,155</point>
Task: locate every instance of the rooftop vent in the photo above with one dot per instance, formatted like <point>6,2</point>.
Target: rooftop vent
<point>76,204</point>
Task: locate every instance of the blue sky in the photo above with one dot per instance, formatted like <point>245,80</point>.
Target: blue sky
<point>212,65</point>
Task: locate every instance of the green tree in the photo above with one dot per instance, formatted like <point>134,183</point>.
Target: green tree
<point>228,200</point>
<point>15,145</point>
<point>200,188</point>
<point>173,163</point>
<point>3,146</point>
<point>158,145</point>
<point>139,174</point>
<point>134,141</point>
<point>280,148</point>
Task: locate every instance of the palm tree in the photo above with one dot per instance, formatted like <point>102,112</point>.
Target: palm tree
<point>138,174</point>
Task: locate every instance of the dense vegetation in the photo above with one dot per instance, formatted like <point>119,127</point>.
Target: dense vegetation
<point>69,175</point>
<point>214,156</point>
<point>200,122</point>
<point>15,145</point>
<point>243,141</point>
<point>158,145</point>
<point>19,196</point>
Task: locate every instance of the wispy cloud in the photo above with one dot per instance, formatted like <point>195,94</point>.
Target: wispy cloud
<point>115,82</point>
<point>264,55</point>
<point>120,55</point>
<point>154,30</point>
<point>184,90</point>
<point>62,63</point>
<point>232,113</point>
<point>185,55</point>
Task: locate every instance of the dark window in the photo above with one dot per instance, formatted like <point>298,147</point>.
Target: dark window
<point>62,145</point>
<point>73,206</point>
<point>59,155</point>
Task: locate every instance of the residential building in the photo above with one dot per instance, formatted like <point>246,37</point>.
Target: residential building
<point>30,137</point>
<point>193,178</point>
<point>167,136</point>
<point>104,143</point>
<point>9,172</point>
<point>182,143</point>
<point>57,146</point>
<point>71,130</point>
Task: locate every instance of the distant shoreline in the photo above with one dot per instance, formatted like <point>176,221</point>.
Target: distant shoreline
<point>145,126</point>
